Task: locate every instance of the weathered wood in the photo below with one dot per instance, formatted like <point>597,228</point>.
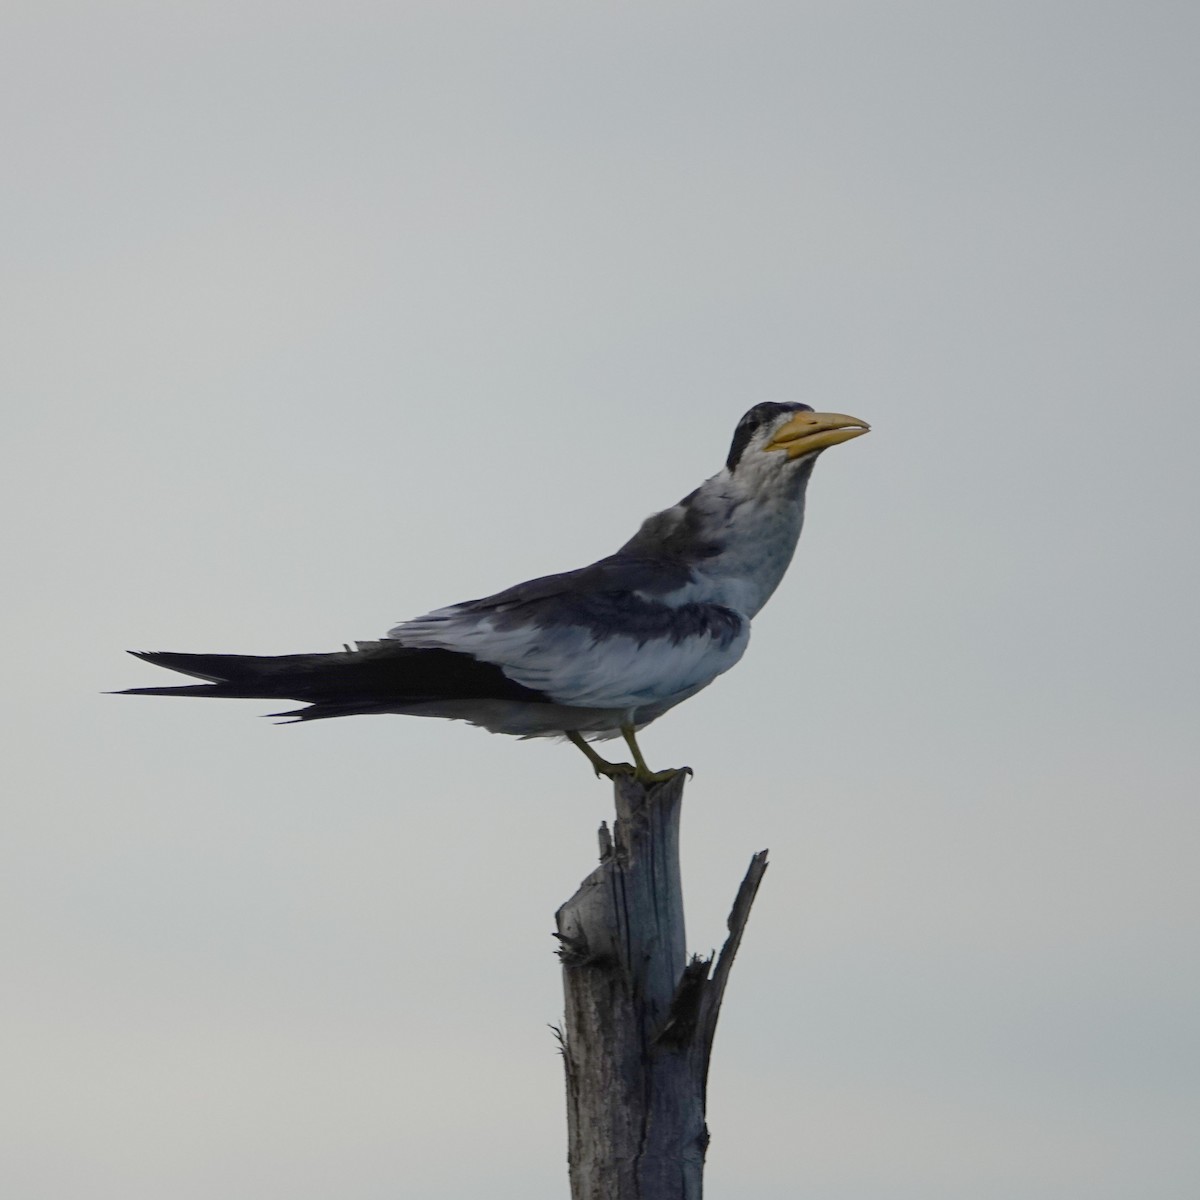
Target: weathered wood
<point>640,1018</point>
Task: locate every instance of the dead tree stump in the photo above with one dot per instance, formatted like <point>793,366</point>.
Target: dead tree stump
<point>640,1017</point>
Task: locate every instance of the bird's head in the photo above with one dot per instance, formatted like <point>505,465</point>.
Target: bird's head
<point>741,525</point>
<point>771,436</point>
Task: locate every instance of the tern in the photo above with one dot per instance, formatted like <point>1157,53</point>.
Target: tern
<point>590,654</point>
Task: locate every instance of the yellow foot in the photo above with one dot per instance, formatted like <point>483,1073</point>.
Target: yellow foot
<point>643,775</point>
<point>624,770</point>
<point>612,770</point>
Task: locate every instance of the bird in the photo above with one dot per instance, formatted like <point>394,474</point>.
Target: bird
<point>590,654</point>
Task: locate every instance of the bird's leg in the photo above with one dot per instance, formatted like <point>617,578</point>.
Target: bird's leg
<point>600,765</point>
<point>642,772</point>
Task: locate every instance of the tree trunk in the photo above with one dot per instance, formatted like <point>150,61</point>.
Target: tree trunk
<point>640,1017</point>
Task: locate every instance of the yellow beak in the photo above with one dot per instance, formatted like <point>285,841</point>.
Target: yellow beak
<point>807,432</point>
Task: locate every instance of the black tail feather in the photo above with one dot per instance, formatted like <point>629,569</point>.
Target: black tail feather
<point>373,677</point>
<point>195,689</point>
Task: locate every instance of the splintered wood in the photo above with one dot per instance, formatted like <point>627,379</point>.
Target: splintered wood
<point>640,1016</point>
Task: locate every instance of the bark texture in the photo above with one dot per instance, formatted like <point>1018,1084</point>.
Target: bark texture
<point>640,1017</point>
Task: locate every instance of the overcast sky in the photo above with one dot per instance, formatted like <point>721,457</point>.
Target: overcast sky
<point>319,316</point>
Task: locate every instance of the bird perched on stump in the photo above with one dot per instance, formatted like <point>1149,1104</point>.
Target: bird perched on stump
<point>590,654</point>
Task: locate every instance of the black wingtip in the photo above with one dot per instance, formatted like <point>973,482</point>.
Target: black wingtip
<point>182,689</point>
<point>292,717</point>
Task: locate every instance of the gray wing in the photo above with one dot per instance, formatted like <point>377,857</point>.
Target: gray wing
<point>617,634</point>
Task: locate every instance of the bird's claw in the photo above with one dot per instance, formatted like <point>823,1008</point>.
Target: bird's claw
<point>636,770</point>
<point>612,770</point>
<point>624,770</point>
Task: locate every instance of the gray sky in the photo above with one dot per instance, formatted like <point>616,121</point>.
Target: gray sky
<point>320,316</point>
